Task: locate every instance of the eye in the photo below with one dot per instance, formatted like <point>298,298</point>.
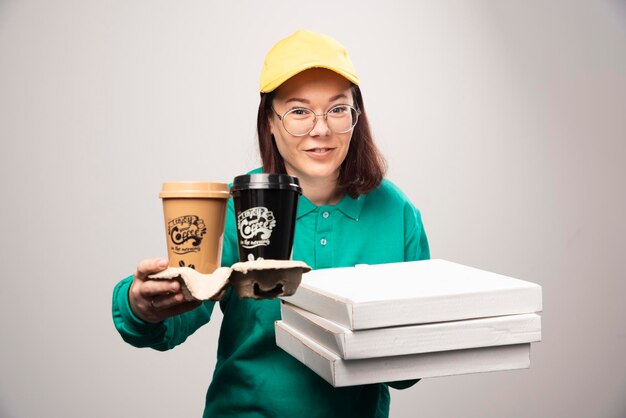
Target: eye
<point>339,110</point>
<point>300,111</point>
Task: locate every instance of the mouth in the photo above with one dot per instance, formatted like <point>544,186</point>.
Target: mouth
<point>319,150</point>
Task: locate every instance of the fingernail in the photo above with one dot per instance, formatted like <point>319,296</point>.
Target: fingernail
<point>162,263</point>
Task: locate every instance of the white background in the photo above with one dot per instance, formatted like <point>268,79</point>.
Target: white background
<point>503,121</point>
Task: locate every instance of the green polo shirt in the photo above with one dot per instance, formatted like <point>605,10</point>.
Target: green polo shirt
<point>255,378</point>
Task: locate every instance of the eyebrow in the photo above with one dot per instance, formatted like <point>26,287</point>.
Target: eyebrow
<point>332,99</point>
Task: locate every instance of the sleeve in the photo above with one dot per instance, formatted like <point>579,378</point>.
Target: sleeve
<point>415,248</point>
<point>175,330</point>
<point>415,240</point>
<point>162,336</point>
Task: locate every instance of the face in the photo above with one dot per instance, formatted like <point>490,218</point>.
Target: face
<point>319,154</point>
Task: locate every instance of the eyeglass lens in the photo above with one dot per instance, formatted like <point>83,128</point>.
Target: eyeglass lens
<point>340,119</point>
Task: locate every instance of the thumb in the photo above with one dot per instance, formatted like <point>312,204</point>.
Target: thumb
<point>150,266</point>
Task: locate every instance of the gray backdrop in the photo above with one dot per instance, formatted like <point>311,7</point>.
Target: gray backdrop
<point>503,121</point>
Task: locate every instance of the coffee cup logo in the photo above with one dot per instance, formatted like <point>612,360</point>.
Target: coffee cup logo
<point>186,233</point>
<point>255,227</point>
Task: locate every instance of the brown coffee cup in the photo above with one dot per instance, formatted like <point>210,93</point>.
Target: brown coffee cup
<point>195,213</point>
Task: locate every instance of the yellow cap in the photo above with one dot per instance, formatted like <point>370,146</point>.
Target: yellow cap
<point>303,50</point>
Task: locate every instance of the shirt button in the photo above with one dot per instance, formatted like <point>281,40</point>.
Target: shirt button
<point>325,214</point>
<point>323,241</point>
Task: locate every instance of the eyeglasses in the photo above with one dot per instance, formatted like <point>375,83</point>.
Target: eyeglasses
<point>300,120</point>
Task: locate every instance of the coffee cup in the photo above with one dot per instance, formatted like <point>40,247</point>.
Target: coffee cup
<point>265,210</point>
<point>195,213</point>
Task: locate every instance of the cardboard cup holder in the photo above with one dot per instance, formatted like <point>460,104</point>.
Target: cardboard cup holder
<point>258,279</point>
<point>267,279</point>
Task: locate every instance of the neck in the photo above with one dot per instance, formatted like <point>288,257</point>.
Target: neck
<point>321,191</point>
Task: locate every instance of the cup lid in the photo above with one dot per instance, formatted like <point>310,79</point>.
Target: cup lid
<point>194,189</point>
<point>266,181</point>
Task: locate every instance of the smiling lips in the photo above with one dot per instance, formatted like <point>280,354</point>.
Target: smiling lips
<point>319,150</point>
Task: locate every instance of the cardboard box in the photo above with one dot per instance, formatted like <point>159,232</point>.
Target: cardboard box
<point>339,372</point>
<point>419,292</point>
<point>411,339</point>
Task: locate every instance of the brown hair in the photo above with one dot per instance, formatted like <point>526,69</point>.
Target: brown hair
<point>363,168</point>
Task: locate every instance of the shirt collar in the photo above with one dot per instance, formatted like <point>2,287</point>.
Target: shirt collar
<point>348,206</point>
<point>304,206</point>
<point>351,207</point>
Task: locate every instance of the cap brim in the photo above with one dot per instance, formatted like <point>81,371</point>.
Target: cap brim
<point>274,84</point>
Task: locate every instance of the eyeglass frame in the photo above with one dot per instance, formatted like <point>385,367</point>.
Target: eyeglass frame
<point>315,115</point>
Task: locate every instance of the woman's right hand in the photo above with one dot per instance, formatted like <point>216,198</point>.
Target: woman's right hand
<point>155,300</point>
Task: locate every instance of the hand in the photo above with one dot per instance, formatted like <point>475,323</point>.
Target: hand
<point>155,300</point>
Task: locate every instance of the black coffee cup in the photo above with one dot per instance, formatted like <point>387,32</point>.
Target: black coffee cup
<point>265,211</point>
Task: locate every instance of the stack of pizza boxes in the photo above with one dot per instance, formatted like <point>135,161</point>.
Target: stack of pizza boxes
<point>402,321</point>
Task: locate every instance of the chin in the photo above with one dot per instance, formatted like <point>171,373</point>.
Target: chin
<point>318,172</point>
<point>324,170</point>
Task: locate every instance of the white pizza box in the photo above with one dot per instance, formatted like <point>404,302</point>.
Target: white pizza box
<point>412,339</point>
<point>339,372</point>
<point>417,292</point>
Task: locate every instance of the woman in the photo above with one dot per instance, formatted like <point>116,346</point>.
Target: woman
<point>312,125</point>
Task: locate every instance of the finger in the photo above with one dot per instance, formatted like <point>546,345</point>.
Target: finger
<point>169,301</point>
<point>150,266</point>
<point>179,309</point>
<point>155,316</point>
<point>153,288</point>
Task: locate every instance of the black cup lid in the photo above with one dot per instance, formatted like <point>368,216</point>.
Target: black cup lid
<point>266,181</point>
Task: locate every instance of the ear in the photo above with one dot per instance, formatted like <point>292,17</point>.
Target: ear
<point>272,122</point>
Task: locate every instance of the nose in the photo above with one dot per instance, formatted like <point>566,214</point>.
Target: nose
<point>320,128</point>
